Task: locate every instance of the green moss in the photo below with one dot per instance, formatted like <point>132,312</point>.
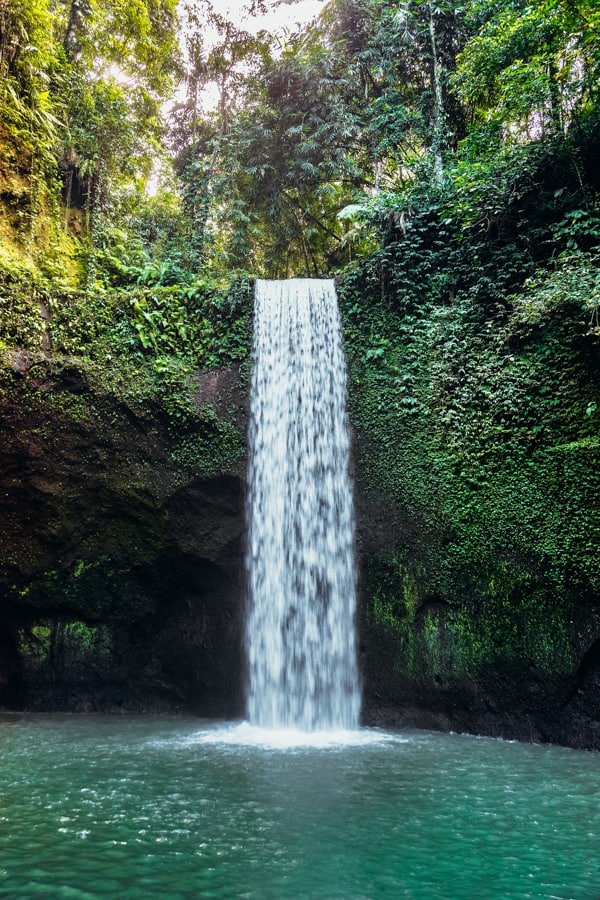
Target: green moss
<point>34,642</point>
<point>214,448</point>
<point>24,293</point>
<point>480,433</point>
<point>72,647</point>
<point>505,620</point>
<point>99,589</point>
<point>516,624</point>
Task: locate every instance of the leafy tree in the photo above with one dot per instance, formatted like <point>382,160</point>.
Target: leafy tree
<point>82,85</point>
<point>533,69</point>
<point>32,70</point>
<point>123,58</point>
<point>220,68</point>
<point>356,100</point>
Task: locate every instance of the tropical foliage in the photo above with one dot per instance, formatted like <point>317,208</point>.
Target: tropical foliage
<point>451,146</point>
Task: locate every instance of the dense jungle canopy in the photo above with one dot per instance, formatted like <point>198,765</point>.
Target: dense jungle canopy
<point>462,132</point>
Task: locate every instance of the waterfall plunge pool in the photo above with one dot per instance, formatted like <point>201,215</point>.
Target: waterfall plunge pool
<point>140,808</point>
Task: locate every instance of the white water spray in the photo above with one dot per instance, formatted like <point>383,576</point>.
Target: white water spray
<point>300,635</point>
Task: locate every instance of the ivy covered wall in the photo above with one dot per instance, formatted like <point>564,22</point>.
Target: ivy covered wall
<point>474,386</point>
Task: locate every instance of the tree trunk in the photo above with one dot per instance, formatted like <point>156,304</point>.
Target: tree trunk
<point>438,105</point>
<point>79,11</point>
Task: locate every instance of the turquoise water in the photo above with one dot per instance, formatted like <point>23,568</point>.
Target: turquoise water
<point>170,808</point>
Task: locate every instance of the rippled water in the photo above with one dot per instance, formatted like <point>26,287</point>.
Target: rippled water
<point>158,808</point>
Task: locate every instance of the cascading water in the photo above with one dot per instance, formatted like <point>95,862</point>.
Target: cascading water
<point>300,634</point>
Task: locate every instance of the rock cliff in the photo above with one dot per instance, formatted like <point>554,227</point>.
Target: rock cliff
<point>122,543</point>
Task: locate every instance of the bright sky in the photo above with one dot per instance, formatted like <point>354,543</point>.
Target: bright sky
<point>282,14</point>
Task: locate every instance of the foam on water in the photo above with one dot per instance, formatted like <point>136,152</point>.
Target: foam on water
<point>245,735</point>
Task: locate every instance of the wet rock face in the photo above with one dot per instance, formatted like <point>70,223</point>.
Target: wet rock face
<point>495,652</point>
<point>121,565</point>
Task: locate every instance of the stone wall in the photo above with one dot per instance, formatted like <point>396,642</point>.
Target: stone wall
<point>121,555</point>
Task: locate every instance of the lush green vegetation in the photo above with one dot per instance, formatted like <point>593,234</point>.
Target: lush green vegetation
<point>381,116</point>
<point>441,158</point>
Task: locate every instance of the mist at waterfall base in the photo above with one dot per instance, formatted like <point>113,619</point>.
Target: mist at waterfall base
<point>301,640</point>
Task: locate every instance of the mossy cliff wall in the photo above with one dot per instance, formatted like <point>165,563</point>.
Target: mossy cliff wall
<point>121,488</point>
<point>121,542</point>
<point>476,458</point>
<point>478,481</point>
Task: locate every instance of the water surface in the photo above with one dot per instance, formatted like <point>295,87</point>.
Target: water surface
<point>95,807</point>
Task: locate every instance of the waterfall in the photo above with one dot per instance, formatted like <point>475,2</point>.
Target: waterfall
<point>301,639</point>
